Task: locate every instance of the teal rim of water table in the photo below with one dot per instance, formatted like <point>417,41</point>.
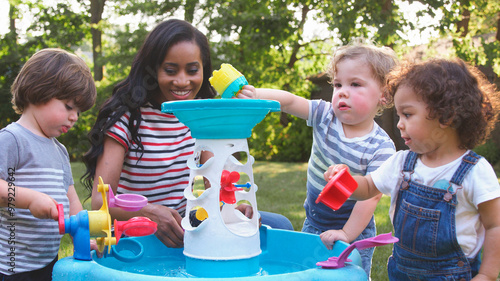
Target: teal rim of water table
<point>221,118</point>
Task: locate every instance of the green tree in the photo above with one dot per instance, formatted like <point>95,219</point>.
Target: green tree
<point>266,40</point>
<point>52,26</point>
<point>474,27</point>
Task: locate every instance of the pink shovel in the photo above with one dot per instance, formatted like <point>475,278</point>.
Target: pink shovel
<point>379,240</point>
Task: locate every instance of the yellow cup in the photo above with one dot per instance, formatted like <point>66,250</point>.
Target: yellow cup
<point>227,81</point>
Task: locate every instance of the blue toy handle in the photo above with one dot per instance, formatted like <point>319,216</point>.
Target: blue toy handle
<point>247,185</point>
<point>78,227</point>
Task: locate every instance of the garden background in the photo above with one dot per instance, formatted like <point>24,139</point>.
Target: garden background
<point>283,44</point>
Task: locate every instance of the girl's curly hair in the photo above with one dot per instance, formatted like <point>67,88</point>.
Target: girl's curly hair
<point>456,93</point>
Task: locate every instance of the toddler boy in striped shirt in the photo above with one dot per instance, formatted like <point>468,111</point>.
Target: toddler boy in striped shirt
<point>344,131</point>
<point>50,92</point>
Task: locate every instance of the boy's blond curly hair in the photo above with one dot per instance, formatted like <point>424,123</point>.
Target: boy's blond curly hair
<point>380,60</point>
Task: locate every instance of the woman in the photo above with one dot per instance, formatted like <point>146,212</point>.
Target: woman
<point>135,147</point>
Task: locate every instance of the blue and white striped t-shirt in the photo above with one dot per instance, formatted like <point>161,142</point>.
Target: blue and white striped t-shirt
<point>42,164</point>
<point>330,146</point>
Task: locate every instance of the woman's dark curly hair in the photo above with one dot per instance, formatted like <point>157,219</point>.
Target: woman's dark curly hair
<point>141,86</point>
<point>456,93</point>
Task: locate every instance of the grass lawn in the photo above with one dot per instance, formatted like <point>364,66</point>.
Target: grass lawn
<point>282,189</point>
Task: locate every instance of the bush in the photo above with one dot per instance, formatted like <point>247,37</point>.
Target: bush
<point>490,151</point>
<point>272,141</point>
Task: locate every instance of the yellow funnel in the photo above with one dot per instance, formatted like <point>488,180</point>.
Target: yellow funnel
<point>224,78</point>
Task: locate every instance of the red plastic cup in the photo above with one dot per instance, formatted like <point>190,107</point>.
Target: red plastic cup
<point>338,190</point>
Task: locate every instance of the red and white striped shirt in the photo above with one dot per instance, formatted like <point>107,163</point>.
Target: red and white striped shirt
<point>161,174</point>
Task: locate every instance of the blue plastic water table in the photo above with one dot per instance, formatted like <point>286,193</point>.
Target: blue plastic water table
<point>286,255</point>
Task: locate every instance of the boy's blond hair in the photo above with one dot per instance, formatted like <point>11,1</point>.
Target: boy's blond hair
<point>380,59</point>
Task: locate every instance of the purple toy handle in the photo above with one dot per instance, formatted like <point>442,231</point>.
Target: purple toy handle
<point>379,240</point>
<point>127,202</point>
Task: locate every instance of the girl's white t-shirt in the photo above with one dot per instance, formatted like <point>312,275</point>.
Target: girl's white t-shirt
<point>480,185</point>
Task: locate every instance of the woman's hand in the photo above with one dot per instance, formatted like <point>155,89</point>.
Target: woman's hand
<point>245,209</point>
<point>169,229</point>
<point>333,170</point>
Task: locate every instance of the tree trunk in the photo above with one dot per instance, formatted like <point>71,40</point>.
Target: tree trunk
<point>96,10</point>
<point>12,23</point>
<point>498,27</point>
<point>387,13</point>
<point>463,25</point>
<point>284,120</point>
<point>189,9</point>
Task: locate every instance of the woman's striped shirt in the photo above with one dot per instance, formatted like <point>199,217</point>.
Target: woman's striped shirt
<point>161,172</point>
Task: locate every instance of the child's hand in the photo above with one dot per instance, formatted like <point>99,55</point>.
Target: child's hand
<point>481,277</point>
<point>332,170</point>
<point>43,207</point>
<point>247,92</point>
<point>330,236</point>
<point>93,246</point>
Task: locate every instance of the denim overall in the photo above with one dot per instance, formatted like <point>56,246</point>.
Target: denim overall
<point>424,222</point>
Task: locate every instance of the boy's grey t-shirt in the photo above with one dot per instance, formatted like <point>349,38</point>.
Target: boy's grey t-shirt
<point>31,161</point>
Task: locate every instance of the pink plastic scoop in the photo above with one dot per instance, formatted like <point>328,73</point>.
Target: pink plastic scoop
<point>379,240</point>
<point>127,202</point>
